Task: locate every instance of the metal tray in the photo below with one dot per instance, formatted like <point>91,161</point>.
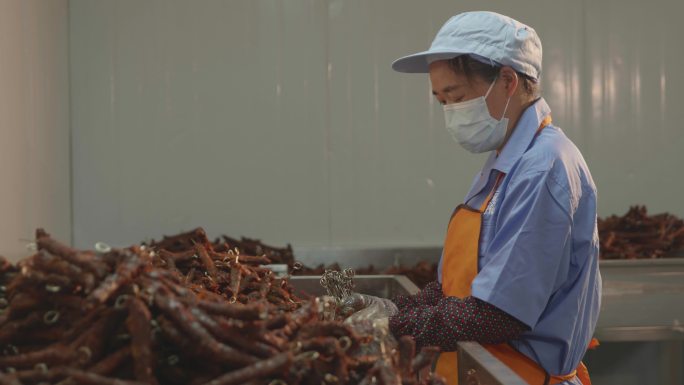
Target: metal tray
<point>386,257</point>
<point>362,257</point>
<point>385,286</point>
<point>477,366</point>
<point>643,299</point>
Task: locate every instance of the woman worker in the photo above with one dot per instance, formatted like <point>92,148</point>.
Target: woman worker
<point>519,269</point>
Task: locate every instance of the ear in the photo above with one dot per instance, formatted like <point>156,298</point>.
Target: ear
<point>509,79</point>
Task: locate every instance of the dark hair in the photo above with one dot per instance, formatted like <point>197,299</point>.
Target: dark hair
<point>470,67</point>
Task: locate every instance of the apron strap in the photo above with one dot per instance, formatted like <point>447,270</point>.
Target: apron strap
<point>499,178</point>
<point>545,122</point>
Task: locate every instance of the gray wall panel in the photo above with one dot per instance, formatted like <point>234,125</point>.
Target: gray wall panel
<point>636,88</point>
<point>199,115</point>
<point>283,120</point>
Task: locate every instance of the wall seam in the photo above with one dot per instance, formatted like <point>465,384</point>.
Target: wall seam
<point>328,123</point>
<point>70,129</point>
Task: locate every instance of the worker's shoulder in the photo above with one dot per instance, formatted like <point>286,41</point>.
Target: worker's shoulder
<point>553,155</point>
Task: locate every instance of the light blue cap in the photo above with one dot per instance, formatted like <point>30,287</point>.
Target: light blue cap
<point>487,36</point>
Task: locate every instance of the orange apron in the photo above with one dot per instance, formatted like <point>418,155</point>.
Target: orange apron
<point>459,268</point>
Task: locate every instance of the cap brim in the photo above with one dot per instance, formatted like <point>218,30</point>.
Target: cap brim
<point>418,62</point>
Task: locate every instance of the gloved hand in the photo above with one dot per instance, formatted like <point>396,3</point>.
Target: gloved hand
<point>366,307</point>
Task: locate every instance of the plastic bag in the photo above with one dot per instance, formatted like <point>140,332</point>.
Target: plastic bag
<point>366,307</point>
<point>371,318</point>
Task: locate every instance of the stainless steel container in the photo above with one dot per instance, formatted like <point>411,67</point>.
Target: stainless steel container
<point>641,325</point>
<point>643,300</point>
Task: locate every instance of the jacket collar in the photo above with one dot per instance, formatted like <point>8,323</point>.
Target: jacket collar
<point>523,135</point>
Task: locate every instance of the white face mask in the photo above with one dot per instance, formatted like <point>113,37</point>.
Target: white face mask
<point>471,125</point>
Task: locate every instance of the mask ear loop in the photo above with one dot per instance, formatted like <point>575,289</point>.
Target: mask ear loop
<point>507,101</point>
<point>505,108</point>
<point>491,86</point>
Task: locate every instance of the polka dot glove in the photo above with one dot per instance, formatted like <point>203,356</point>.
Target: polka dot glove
<point>430,295</point>
<point>450,319</point>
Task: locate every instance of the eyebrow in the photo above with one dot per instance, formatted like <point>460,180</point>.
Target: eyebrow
<point>447,89</point>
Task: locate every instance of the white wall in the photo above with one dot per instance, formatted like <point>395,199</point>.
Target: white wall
<point>283,119</point>
<point>34,123</point>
